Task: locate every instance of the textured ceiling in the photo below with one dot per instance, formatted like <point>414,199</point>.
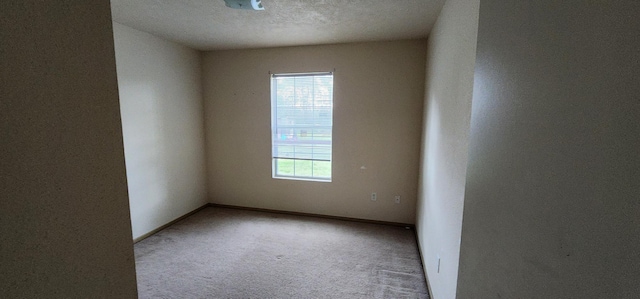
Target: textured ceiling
<point>210,25</point>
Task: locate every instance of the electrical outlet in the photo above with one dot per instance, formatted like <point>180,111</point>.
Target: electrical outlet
<point>397,199</point>
<point>374,196</point>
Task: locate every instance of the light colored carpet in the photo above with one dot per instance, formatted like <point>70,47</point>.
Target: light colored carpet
<point>231,253</point>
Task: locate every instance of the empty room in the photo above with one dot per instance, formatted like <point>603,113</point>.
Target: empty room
<point>320,149</point>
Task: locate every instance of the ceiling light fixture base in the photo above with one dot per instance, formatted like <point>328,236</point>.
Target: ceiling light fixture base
<point>245,4</point>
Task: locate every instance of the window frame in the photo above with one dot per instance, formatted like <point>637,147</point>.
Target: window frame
<point>274,127</point>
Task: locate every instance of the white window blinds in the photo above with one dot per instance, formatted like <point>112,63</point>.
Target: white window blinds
<point>302,121</point>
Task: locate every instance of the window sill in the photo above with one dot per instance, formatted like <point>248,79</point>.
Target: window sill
<point>302,179</point>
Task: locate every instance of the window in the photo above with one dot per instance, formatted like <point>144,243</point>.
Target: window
<point>301,125</point>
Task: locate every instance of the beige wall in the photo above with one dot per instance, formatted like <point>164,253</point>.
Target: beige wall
<point>378,93</point>
<point>162,122</point>
<point>64,216</point>
<point>449,85</point>
<point>551,207</point>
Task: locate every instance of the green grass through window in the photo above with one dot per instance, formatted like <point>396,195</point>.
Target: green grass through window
<point>303,168</point>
